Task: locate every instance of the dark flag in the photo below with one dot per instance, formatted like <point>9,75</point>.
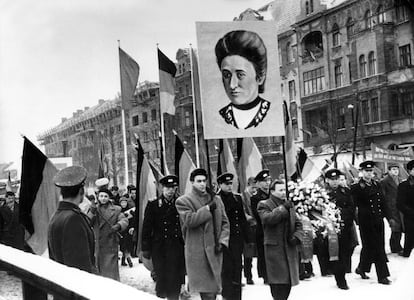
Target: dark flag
<point>183,166</point>
<point>167,70</point>
<point>129,70</point>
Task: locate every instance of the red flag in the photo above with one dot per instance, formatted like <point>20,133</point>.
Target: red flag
<point>290,146</point>
<point>167,70</point>
<point>250,160</point>
<point>226,162</point>
<point>183,166</point>
<point>129,70</point>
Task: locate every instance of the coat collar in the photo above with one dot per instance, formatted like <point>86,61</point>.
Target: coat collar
<point>66,205</point>
<point>228,115</point>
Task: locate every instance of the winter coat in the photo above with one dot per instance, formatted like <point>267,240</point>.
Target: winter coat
<point>70,238</point>
<point>11,231</point>
<point>200,236</point>
<point>279,225</point>
<point>107,240</point>
<point>162,237</point>
<point>405,203</point>
<point>126,243</point>
<point>390,189</point>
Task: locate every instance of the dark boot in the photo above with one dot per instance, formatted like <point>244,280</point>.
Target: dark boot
<point>123,261</point>
<point>130,264</point>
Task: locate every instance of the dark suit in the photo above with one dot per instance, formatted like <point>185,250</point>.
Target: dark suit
<point>371,207</point>
<point>232,257</point>
<point>70,238</point>
<point>405,203</point>
<point>261,262</point>
<point>389,189</point>
<point>162,237</point>
<point>11,231</point>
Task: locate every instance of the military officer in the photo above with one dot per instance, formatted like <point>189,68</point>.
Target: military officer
<point>405,203</point>
<point>263,181</point>
<point>70,237</point>
<point>371,210</point>
<point>232,257</point>
<point>341,196</point>
<point>162,240</point>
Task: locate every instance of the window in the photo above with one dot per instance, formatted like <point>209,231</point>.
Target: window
<point>381,14</point>
<point>144,117</point>
<point>362,66</point>
<point>338,73</point>
<point>367,19</point>
<point>341,118</point>
<point>280,57</point>
<point>407,104</point>
<point>145,137</point>
<point>118,128</point>
<point>153,114</point>
<point>289,52</point>
<point>135,120</point>
<point>350,72</point>
<point>119,145</point>
<point>401,105</point>
<point>401,11</point>
<point>405,55</point>
<point>307,8</point>
<point>292,90</point>
<point>350,28</point>
<point>375,114</point>
<point>371,63</point>
<point>335,35</point>
<point>311,6</point>
<point>365,111</point>
<point>187,118</point>
<point>313,81</point>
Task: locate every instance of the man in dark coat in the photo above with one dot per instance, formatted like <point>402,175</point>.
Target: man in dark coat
<point>281,237</point>
<point>263,181</point>
<point>162,240</point>
<point>232,256</point>
<point>11,231</point>
<point>341,196</point>
<point>70,237</point>
<point>389,187</point>
<point>371,209</point>
<point>405,203</point>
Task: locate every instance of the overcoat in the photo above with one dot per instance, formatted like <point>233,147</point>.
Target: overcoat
<point>70,238</point>
<point>405,203</point>
<point>370,204</point>
<point>11,231</point>
<point>279,224</point>
<point>203,264</point>
<point>390,189</point>
<point>162,237</point>
<point>107,240</point>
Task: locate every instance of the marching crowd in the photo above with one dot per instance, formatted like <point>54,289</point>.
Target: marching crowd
<point>212,236</point>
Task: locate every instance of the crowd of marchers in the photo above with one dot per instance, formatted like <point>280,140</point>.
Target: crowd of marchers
<point>212,236</point>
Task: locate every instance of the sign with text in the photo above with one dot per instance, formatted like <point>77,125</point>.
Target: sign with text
<point>396,156</point>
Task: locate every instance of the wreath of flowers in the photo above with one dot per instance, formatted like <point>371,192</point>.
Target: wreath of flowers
<point>311,201</point>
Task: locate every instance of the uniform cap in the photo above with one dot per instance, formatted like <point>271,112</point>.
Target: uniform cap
<point>262,175</point>
<point>410,165</point>
<point>100,182</point>
<point>393,165</point>
<point>225,177</point>
<point>169,181</point>
<point>368,164</point>
<point>333,173</point>
<point>70,176</point>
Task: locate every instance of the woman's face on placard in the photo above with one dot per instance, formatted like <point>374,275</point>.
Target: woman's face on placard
<point>239,79</point>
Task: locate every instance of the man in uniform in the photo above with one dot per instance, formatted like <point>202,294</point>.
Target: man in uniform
<point>206,232</point>
<point>389,187</point>
<point>341,196</point>
<point>70,237</point>
<point>11,231</point>
<point>162,240</point>
<point>232,257</point>
<point>405,203</point>
<point>371,209</point>
<point>263,181</point>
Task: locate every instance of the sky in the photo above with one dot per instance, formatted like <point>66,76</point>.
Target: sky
<point>57,56</point>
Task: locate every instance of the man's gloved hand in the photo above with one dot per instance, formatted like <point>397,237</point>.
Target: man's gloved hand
<point>116,227</point>
<point>146,254</point>
<point>212,206</point>
<point>219,248</point>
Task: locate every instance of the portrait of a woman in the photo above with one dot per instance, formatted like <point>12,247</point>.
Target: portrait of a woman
<point>242,59</point>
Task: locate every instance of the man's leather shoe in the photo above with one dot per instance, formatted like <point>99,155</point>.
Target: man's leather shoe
<point>249,281</point>
<point>361,273</point>
<point>343,286</point>
<point>384,281</point>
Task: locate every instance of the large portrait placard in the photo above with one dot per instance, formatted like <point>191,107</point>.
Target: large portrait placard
<point>239,79</point>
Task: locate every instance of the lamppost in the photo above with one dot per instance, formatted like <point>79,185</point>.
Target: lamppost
<point>355,124</point>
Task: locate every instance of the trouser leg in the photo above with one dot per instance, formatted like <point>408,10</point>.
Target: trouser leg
<point>208,296</point>
<point>247,267</point>
<point>280,291</point>
<point>408,243</point>
<point>395,240</point>
<point>382,270</point>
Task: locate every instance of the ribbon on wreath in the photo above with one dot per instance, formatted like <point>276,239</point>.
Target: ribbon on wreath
<point>307,240</point>
<point>332,236</point>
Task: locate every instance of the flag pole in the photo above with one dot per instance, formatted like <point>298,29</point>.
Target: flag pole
<point>162,133</point>
<point>285,166</point>
<point>194,108</point>
<point>123,127</point>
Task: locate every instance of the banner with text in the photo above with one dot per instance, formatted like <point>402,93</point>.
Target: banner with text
<point>396,156</point>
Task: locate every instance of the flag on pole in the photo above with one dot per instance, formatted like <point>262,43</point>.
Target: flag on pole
<point>167,70</point>
<point>146,190</point>
<point>226,162</point>
<point>306,169</point>
<point>101,167</point>
<point>290,146</point>
<point>183,166</point>
<point>38,196</point>
<point>129,70</point>
<point>9,184</point>
<point>250,160</point>
<point>196,81</point>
